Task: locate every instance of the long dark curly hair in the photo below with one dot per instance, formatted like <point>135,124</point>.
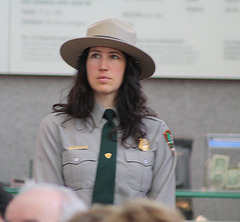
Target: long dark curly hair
<point>130,101</point>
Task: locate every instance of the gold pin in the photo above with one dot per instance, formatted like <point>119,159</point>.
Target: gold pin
<point>77,147</point>
<point>108,155</point>
<point>143,145</point>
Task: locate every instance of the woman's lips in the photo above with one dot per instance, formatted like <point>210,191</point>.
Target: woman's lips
<point>103,79</point>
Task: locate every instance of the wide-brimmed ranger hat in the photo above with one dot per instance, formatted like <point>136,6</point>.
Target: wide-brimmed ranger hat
<point>111,33</point>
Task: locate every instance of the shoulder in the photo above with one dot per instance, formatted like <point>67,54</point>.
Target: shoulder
<point>155,125</point>
<point>154,121</point>
<point>54,119</point>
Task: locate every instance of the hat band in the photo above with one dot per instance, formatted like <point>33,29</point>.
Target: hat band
<point>109,37</point>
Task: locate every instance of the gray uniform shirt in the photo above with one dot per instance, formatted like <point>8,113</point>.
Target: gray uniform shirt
<point>67,154</point>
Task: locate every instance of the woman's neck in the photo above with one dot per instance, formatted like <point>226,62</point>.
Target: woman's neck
<point>107,101</point>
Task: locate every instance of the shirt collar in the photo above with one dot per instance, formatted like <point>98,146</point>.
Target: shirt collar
<point>97,115</point>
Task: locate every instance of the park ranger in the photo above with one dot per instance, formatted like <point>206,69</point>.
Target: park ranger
<point>104,142</point>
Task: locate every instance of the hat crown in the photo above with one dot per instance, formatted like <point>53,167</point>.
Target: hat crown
<point>113,29</point>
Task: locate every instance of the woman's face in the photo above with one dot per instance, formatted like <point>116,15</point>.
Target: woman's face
<point>105,70</point>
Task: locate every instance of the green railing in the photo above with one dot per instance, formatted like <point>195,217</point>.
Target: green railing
<point>208,193</point>
<point>12,190</point>
<point>184,193</point>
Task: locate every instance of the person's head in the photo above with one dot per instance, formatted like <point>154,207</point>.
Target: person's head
<point>112,33</point>
<point>97,213</point>
<point>44,203</point>
<point>5,198</point>
<point>119,38</point>
<point>142,210</point>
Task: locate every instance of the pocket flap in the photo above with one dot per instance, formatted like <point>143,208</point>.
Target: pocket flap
<point>78,156</point>
<point>144,158</point>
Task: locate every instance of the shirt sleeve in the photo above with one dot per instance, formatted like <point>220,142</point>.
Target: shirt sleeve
<point>163,185</point>
<point>48,157</point>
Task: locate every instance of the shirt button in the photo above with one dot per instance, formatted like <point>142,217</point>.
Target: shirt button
<point>145,161</point>
<point>76,159</point>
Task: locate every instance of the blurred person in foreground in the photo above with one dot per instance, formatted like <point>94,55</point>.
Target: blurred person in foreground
<point>97,213</point>
<point>44,203</point>
<point>146,210</point>
<point>5,198</point>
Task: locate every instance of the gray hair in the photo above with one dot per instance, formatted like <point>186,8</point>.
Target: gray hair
<point>71,203</point>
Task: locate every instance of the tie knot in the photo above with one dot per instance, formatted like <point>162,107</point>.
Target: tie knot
<point>109,114</point>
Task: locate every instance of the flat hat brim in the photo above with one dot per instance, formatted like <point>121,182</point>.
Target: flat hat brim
<point>71,49</point>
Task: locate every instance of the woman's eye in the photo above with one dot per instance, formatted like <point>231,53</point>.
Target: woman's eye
<point>114,57</point>
<point>95,55</point>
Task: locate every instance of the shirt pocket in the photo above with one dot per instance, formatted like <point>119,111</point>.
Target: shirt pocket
<point>79,168</point>
<point>140,169</point>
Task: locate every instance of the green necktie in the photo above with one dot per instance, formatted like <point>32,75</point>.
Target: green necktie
<point>105,178</point>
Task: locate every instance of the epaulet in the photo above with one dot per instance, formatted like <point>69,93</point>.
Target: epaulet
<point>154,119</point>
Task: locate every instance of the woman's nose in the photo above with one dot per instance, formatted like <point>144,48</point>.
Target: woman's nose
<point>103,64</point>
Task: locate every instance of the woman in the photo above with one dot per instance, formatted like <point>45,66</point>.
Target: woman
<point>68,146</point>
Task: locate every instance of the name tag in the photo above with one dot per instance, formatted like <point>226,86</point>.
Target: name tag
<point>78,147</point>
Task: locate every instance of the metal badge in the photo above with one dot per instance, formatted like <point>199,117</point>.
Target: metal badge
<point>143,145</point>
<point>108,155</point>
